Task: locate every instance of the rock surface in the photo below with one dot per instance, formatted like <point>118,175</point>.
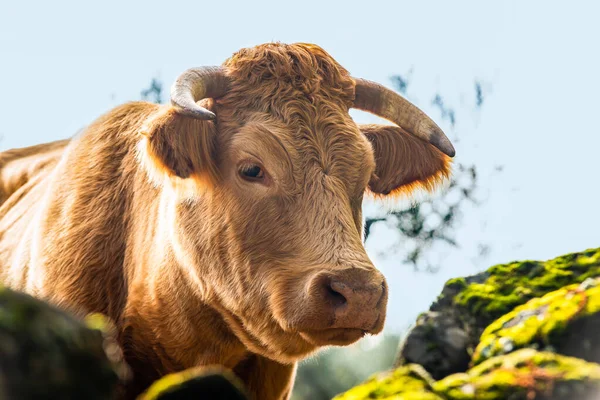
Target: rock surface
<point>444,338</point>
<point>524,374</point>
<point>524,330</point>
<point>46,353</point>
<point>410,382</point>
<point>566,321</point>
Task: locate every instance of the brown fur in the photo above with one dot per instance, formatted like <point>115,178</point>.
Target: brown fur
<point>404,162</point>
<point>145,218</point>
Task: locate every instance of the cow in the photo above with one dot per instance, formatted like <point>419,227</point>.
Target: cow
<point>226,227</point>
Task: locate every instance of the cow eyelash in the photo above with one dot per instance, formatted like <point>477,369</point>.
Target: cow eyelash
<point>252,173</point>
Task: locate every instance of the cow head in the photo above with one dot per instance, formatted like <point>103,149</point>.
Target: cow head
<point>264,174</point>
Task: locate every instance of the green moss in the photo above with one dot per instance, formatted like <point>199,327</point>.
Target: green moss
<point>191,383</point>
<point>99,322</point>
<point>410,382</point>
<point>457,283</point>
<point>540,322</point>
<point>510,285</point>
<point>524,374</point>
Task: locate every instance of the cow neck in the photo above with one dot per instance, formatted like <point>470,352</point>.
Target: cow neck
<point>184,331</point>
<point>168,303</point>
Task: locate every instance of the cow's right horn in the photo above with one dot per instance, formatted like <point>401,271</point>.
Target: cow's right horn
<point>196,84</point>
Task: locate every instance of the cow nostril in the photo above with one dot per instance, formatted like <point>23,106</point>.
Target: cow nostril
<point>334,296</point>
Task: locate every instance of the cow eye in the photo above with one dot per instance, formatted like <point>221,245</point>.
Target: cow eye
<point>252,173</point>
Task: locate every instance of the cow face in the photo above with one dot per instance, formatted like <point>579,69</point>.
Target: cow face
<point>266,200</point>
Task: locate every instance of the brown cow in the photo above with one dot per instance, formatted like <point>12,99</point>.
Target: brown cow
<point>225,231</point>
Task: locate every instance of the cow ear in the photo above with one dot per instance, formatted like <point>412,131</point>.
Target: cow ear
<point>178,148</point>
<point>403,162</point>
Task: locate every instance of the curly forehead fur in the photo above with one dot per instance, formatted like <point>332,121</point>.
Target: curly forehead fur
<point>268,75</point>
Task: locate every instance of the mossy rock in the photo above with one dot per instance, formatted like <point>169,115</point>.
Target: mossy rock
<point>46,353</point>
<point>523,375</point>
<point>468,305</point>
<point>566,320</point>
<point>411,382</point>
<point>510,285</point>
<point>196,383</point>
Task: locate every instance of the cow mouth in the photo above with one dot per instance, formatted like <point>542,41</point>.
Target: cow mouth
<point>333,336</point>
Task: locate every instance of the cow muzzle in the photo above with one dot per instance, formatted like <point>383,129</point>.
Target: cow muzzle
<point>343,306</point>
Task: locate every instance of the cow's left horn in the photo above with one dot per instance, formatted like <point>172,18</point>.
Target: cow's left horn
<point>196,84</point>
<point>381,101</point>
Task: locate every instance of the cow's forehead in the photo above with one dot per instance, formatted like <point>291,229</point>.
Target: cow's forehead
<point>309,129</point>
<point>274,73</point>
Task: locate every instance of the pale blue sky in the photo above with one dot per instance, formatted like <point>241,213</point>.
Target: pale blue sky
<point>63,63</point>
